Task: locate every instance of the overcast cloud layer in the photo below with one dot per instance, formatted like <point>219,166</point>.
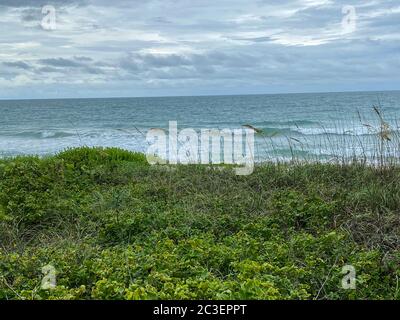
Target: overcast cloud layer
<point>181,47</point>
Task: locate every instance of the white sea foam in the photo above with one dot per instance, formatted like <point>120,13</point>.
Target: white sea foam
<point>304,121</point>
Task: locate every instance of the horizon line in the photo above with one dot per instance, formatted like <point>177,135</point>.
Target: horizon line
<point>202,95</point>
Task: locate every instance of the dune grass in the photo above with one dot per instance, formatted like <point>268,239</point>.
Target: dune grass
<point>369,138</point>
<point>114,227</point>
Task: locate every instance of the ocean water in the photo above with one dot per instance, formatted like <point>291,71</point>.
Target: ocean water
<point>313,125</point>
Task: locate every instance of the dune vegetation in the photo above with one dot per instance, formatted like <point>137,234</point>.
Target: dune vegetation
<point>114,227</point>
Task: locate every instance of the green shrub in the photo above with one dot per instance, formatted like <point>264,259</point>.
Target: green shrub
<point>114,227</point>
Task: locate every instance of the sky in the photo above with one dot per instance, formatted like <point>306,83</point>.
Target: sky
<point>127,48</point>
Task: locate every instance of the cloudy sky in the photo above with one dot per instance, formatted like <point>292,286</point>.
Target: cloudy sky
<point>102,48</point>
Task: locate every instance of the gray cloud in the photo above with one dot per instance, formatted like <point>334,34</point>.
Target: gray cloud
<point>18,65</point>
<point>178,46</point>
<point>82,58</point>
<point>38,3</point>
<point>60,62</point>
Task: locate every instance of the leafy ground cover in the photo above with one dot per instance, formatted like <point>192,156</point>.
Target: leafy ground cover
<point>114,227</point>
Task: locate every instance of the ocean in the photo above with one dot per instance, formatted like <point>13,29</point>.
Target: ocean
<point>320,125</point>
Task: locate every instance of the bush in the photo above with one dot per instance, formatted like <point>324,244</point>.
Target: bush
<point>114,227</point>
